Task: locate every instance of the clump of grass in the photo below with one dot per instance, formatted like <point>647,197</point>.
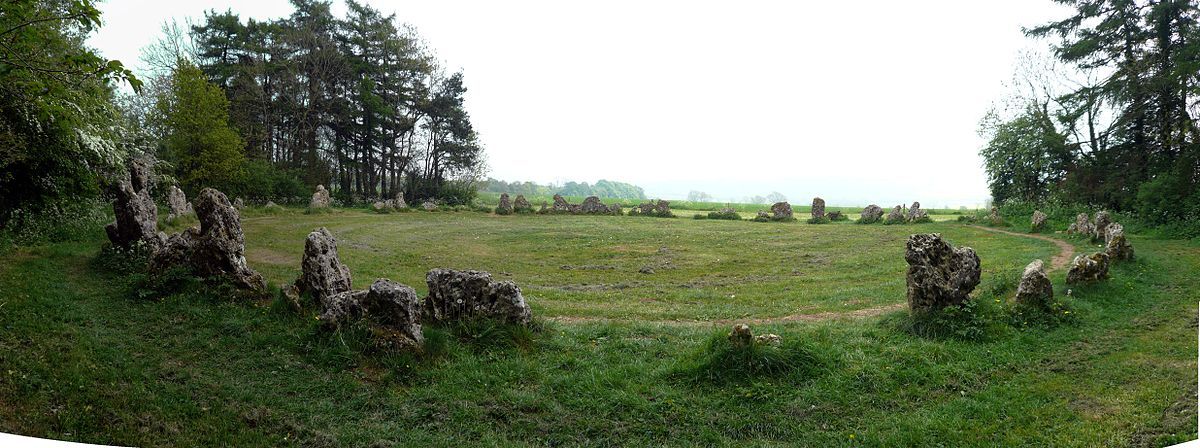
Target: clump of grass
<point>921,220</point>
<point>819,220</point>
<point>838,217</point>
<point>1049,315</point>
<point>503,211</point>
<point>972,320</point>
<point>723,214</point>
<point>719,361</point>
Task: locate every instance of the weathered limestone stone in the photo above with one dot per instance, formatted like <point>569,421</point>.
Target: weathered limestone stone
<point>320,198</point>
<point>522,205</point>
<point>1088,268</point>
<point>994,217</point>
<point>818,208</point>
<point>399,203</point>
<point>782,211</point>
<point>1038,222</point>
<point>915,213</point>
<point>657,207</point>
<point>1035,287</point>
<point>939,275</point>
<point>177,203</point>
<point>895,216</point>
<point>217,248</point>
<point>455,295</point>
<point>239,204</point>
<point>429,206</point>
<point>871,214</point>
<point>342,308</point>
<point>592,206</point>
<point>505,207</point>
<point>560,205</point>
<point>1103,219</point>
<point>1082,225</point>
<point>836,215</point>
<point>615,209</point>
<point>135,211</point>
<point>1116,246</point>
<point>322,274</point>
<point>395,307</point>
<point>380,206</point>
<point>271,204</point>
<point>762,216</point>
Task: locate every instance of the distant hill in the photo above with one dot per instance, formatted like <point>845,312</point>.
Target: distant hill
<point>602,188</point>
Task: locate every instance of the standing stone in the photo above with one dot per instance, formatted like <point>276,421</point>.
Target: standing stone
<point>1088,268</point>
<point>1035,287</point>
<point>177,203</point>
<point>342,308</point>
<point>560,205</point>
<point>320,198</point>
<point>505,207</point>
<point>395,307</point>
<point>1103,219</point>
<point>1082,225</point>
<point>915,213</point>
<point>1038,222</point>
<point>522,205</point>
<point>781,211</point>
<point>399,202</point>
<point>322,274</point>
<point>1116,246</point>
<point>870,214</point>
<point>135,211</point>
<point>239,204</point>
<point>741,336</point>
<point>455,295</point>
<point>592,206</point>
<point>939,275</point>
<point>662,208</point>
<point>895,216</point>
<point>818,208</point>
<point>217,248</point>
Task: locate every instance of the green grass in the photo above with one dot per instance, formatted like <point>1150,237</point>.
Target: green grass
<point>80,359</point>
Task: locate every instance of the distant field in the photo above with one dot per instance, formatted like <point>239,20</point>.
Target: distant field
<point>82,359</point>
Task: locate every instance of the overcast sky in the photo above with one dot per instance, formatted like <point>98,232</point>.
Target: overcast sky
<point>857,102</point>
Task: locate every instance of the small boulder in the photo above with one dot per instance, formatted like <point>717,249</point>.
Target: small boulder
<point>1038,222</point>
<point>1035,287</point>
<point>871,214</point>
<point>818,208</point>
<point>939,275</point>
<point>320,198</point>
<point>342,308</point>
<point>741,337</point>
<point>1116,245</point>
<point>429,206</point>
<point>322,273</point>
<point>1088,268</point>
<point>380,206</point>
<point>239,204</point>
<point>781,211</point>
<point>395,307</point>
<point>455,295</point>
<point>836,215</point>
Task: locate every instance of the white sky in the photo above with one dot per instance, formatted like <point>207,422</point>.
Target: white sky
<point>854,101</point>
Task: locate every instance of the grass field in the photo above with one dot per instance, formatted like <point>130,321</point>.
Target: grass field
<point>80,359</point>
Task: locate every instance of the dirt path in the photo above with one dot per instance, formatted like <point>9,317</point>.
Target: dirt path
<point>1059,261</point>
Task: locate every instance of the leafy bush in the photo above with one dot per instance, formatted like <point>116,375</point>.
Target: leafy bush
<point>73,220</point>
<point>726,214</point>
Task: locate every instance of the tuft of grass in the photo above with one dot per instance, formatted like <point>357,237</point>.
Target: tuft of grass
<point>819,220</point>
<point>973,320</point>
<point>719,362</point>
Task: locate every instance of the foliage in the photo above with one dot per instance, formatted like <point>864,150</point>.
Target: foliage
<point>604,189</point>
<point>1024,157</point>
<point>74,220</point>
<point>59,131</point>
<point>204,149</point>
<point>972,320</point>
<point>726,214</point>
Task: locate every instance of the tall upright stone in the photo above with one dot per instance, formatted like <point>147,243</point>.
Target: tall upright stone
<point>1038,222</point>
<point>1116,245</point>
<point>1081,226</point>
<point>939,275</point>
<point>505,207</point>
<point>781,211</point>
<point>1035,287</point>
<point>915,213</point>
<point>136,214</point>
<point>1100,224</point>
<point>217,248</point>
<point>177,203</point>
<point>818,208</point>
<point>322,273</point>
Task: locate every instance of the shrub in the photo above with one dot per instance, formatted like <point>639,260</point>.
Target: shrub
<point>725,214</point>
<point>699,216</point>
<point>73,220</point>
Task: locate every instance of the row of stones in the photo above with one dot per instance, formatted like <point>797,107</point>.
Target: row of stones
<point>453,295</point>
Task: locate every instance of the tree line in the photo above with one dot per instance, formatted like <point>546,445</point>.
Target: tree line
<point>1110,120</point>
<point>357,103</point>
<point>602,188</point>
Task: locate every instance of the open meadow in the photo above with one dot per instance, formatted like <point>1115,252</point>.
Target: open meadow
<point>628,310</point>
